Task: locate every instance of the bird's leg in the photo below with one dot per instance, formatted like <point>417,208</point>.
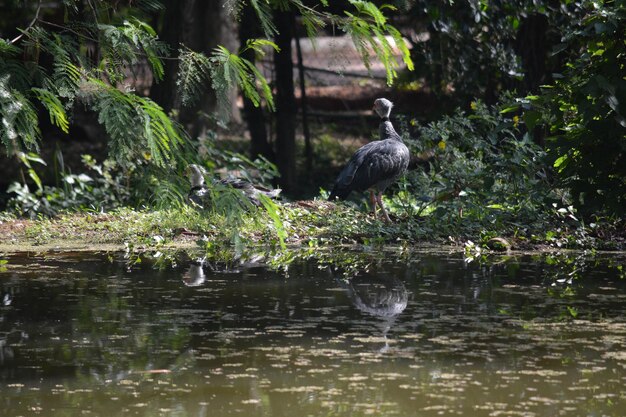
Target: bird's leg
<point>373,202</point>
<point>379,199</point>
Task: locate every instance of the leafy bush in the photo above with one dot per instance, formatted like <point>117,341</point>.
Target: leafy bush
<point>468,45</point>
<point>104,187</point>
<point>583,111</point>
<point>486,174</point>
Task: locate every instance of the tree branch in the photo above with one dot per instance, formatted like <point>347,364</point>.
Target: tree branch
<point>30,25</point>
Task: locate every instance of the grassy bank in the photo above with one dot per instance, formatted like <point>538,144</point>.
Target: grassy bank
<point>296,224</point>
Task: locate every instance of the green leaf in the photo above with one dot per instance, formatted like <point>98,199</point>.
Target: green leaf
<point>531,118</point>
<point>26,159</point>
<point>573,311</point>
<point>561,162</point>
<point>509,109</point>
<point>272,210</point>
<point>257,46</point>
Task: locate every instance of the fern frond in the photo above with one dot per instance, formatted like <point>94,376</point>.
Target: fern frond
<point>263,84</point>
<point>138,127</point>
<point>20,127</point>
<point>313,22</point>
<point>370,10</point>
<point>194,74</point>
<point>120,46</point>
<point>8,49</point>
<point>145,37</point>
<point>383,49</point>
<point>64,52</point>
<point>160,133</point>
<point>55,108</point>
<point>116,52</point>
<point>402,46</point>
<point>19,75</point>
<point>368,28</point>
<point>150,6</point>
<point>264,13</point>
<point>229,202</point>
<point>358,29</point>
<point>229,70</point>
<point>259,46</point>
<point>167,191</point>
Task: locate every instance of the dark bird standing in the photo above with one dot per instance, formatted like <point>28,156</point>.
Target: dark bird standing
<point>200,195</point>
<point>376,165</point>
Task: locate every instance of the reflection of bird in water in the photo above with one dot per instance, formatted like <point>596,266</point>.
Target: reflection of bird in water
<point>379,296</point>
<point>200,194</point>
<point>7,342</point>
<point>194,276</point>
<point>382,297</point>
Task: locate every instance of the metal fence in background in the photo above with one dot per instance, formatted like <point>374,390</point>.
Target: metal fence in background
<point>334,74</point>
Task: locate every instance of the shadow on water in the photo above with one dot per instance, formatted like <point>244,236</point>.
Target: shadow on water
<point>352,334</point>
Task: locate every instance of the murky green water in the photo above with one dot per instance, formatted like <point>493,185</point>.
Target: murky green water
<point>425,336</point>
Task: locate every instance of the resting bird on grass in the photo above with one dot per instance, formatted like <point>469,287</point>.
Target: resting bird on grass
<point>200,195</point>
<point>376,165</point>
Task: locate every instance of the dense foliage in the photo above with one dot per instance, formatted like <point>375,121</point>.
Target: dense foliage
<point>135,124</point>
<point>87,57</point>
<point>584,113</point>
<point>566,62</point>
<point>540,161</point>
<point>487,174</point>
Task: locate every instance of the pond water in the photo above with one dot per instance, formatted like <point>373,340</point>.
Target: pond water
<point>416,335</point>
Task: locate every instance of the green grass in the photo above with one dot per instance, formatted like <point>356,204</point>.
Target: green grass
<point>303,224</point>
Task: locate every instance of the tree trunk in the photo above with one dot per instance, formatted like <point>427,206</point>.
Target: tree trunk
<point>249,28</point>
<point>531,44</point>
<point>164,92</point>
<point>308,147</point>
<point>286,109</point>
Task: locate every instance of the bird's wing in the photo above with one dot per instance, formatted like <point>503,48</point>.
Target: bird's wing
<point>372,163</point>
<point>251,190</point>
<point>384,160</point>
<point>236,183</point>
<point>346,176</point>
